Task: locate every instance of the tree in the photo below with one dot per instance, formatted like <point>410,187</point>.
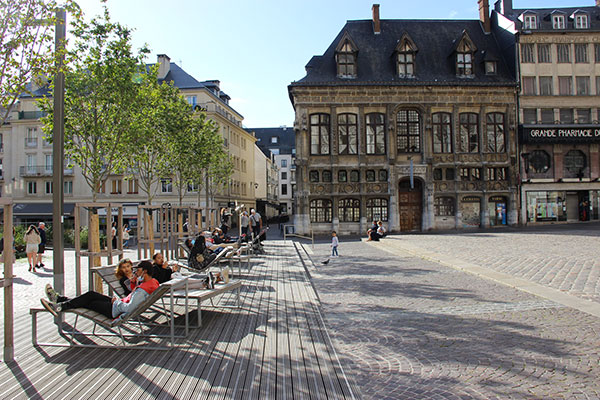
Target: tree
<point>101,90</point>
<point>162,113</point>
<point>194,149</point>
<point>26,47</point>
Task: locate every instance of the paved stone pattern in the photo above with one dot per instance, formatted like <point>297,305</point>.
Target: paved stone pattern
<point>408,328</point>
<point>563,259</point>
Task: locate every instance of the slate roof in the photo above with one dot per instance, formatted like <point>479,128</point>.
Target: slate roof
<point>285,143</point>
<point>435,60</point>
<point>544,18</point>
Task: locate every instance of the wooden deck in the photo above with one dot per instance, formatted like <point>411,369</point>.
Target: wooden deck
<point>274,347</point>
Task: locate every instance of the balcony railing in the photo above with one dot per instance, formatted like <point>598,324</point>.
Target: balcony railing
<point>40,170</point>
<point>31,142</point>
<point>31,114</point>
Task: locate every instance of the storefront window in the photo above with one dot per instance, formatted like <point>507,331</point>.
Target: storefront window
<point>546,206</point>
<point>497,210</point>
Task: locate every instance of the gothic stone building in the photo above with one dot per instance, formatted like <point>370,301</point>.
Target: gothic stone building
<point>411,122</point>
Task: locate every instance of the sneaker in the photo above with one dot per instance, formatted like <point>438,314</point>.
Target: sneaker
<point>225,274</point>
<point>52,294</point>
<point>51,307</point>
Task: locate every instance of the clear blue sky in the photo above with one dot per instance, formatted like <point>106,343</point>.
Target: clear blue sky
<point>256,48</point>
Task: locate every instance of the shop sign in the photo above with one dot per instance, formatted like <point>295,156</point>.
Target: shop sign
<point>560,134</point>
<point>471,199</point>
<point>497,199</point>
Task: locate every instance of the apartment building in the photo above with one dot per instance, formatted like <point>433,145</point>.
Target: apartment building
<point>556,52</point>
<point>26,162</point>
<point>280,144</point>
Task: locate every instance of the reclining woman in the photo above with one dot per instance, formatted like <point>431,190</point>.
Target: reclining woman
<point>109,307</point>
<point>162,272</point>
<point>125,275</point>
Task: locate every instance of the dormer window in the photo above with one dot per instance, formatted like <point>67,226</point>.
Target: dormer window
<point>465,53</point>
<point>490,67</point>
<point>581,21</point>
<point>530,21</point>
<point>405,57</point>
<point>346,58</point>
<point>558,22</point>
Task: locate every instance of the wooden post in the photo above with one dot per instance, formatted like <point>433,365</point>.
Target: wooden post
<point>179,253</point>
<point>9,343</point>
<point>150,231</point>
<point>120,229</point>
<point>140,224</point>
<point>109,237</point>
<point>94,239</point>
<point>77,240</point>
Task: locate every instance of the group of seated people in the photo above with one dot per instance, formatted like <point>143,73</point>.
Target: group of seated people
<point>138,284</point>
<point>376,232</point>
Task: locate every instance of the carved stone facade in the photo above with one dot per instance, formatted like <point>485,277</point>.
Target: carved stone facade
<point>474,201</point>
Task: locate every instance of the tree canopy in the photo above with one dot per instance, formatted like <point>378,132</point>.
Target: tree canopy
<point>27,47</point>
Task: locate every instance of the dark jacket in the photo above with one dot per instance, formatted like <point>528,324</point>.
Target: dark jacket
<point>161,274</point>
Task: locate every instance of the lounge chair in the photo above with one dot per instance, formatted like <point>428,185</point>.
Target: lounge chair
<point>113,326</point>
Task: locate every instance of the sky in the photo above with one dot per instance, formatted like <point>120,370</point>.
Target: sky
<point>256,48</point>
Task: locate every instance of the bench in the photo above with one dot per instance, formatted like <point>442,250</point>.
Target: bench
<point>106,273</point>
<point>113,325</point>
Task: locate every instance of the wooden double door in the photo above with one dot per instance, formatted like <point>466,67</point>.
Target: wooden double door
<point>410,205</point>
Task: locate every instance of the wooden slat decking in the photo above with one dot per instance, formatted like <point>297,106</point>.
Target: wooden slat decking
<point>274,347</point>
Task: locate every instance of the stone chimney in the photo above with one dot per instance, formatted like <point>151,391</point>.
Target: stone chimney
<point>484,15</point>
<point>164,65</point>
<point>504,7</point>
<point>376,22</point>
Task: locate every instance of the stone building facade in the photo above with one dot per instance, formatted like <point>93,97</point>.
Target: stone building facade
<point>558,65</point>
<point>409,122</point>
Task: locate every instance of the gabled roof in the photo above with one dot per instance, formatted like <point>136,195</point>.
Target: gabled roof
<point>180,78</point>
<point>545,24</point>
<point>406,40</point>
<point>435,40</point>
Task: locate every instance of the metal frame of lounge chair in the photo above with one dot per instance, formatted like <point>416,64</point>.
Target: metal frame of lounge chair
<point>113,327</point>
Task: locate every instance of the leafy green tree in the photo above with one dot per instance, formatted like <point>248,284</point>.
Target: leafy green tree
<point>27,47</point>
<point>194,149</point>
<point>101,90</point>
<point>162,113</point>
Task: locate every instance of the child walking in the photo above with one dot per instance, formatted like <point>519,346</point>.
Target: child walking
<point>334,245</point>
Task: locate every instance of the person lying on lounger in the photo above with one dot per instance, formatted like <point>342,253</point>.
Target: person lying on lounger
<point>107,306</point>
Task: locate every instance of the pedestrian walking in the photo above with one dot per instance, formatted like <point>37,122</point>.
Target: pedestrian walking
<point>113,234</point>
<point>255,222</point>
<point>245,223</point>
<point>126,235</point>
<point>32,241</point>
<point>334,244</point>
<point>42,245</point>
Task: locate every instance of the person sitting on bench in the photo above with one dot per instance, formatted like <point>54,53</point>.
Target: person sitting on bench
<point>161,271</point>
<point>125,275</point>
<point>109,307</point>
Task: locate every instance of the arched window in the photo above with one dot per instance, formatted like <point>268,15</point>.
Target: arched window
<point>342,176</point>
<point>349,210</point>
<point>326,176</point>
<point>375,123</point>
<point>313,176</point>
<point>469,133</point>
<point>442,132</point>
<point>354,175</point>
<point>496,136</point>
<point>408,131</point>
<point>377,209</point>
<point>320,210</point>
<point>319,133</point>
<point>575,163</point>
<point>347,134</point>
<point>538,162</point>
<point>444,206</point>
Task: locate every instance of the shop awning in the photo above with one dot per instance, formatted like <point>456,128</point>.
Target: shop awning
<point>40,208</point>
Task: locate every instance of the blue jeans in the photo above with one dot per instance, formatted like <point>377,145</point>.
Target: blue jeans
<point>334,251</point>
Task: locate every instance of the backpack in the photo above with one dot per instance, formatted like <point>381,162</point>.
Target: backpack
<point>200,256</point>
